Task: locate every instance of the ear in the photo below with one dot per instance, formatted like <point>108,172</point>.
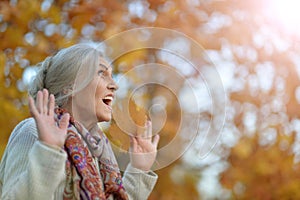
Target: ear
<point>67,90</point>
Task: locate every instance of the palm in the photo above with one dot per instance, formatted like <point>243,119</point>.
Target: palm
<point>43,112</point>
<point>143,150</point>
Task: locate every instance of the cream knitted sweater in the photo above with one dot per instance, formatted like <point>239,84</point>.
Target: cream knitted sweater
<point>32,170</point>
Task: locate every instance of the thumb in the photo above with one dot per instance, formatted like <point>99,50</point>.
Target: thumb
<point>64,122</point>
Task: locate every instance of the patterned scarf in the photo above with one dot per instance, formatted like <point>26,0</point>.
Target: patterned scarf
<point>83,180</point>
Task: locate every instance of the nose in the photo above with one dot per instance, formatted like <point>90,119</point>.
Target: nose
<point>112,86</point>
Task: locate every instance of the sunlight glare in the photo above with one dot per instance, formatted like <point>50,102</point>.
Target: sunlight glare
<point>287,13</point>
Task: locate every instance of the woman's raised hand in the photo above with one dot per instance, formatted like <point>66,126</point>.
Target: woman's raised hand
<point>43,112</point>
<point>142,149</point>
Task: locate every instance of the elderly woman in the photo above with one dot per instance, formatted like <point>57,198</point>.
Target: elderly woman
<point>61,153</point>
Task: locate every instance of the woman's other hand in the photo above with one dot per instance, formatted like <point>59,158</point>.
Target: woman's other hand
<point>143,149</point>
<point>43,112</point>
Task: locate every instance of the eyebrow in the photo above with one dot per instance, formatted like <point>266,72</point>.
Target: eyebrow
<point>102,65</point>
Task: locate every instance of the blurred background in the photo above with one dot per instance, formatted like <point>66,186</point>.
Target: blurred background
<point>255,47</point>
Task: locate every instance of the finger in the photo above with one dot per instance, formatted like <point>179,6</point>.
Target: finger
<point>131,140</point>
<point>149,129</point>
<point>39,101</point>
<point>156,140</point>
<point>51,105</point>
<point>45,101</point>
<point>134,146</point>
<point>139,149</point>
<point>130,144</point>
<point>143,142</point>
<point>140,131</point>
<point>64,122</point>
<point>32,108</point>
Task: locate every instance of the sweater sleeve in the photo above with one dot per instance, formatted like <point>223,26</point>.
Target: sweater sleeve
<point>29,168</point>
<point>138,184</point>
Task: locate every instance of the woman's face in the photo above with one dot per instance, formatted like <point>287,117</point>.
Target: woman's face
<point>94,103</point>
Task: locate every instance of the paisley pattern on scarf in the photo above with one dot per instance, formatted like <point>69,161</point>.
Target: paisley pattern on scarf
<point>83,179</point>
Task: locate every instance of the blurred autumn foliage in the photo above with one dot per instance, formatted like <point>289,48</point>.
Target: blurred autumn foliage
<point>257,155</point>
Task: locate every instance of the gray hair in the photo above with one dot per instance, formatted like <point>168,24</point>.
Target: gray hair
<point>69,66</point>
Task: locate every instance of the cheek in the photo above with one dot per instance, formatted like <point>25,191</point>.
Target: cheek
<point>98,96</point>
<point>99,90</point>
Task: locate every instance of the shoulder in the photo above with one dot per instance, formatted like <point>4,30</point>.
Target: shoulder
<point>26,128</point>
<point>28,122</point>
<point>27,125</point>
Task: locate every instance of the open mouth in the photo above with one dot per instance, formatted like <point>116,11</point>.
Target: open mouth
<point>108,100</point>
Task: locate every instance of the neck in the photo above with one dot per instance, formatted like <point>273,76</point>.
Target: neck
<point>84,119</point>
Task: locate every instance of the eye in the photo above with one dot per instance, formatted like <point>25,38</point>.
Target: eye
<point>100,72</point>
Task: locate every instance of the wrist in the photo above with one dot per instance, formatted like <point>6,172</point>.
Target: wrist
<point>52,146</point>
<point>141,168</point>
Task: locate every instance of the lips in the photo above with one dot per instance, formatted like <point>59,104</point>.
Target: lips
<point>108,100</point>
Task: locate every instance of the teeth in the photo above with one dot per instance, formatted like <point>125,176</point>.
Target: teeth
<point>108,98</point>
